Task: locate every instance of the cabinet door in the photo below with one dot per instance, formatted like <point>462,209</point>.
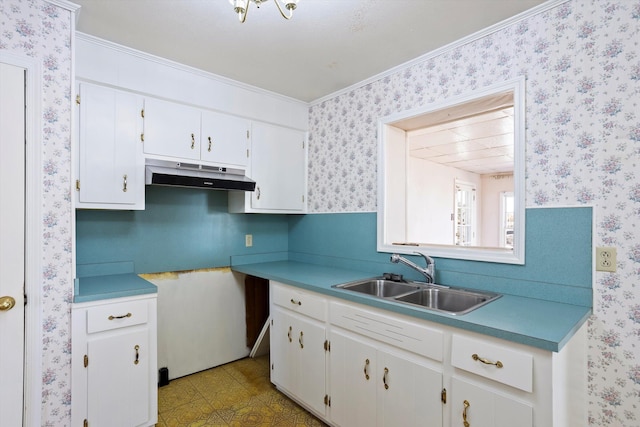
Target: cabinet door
<point>225,139</point>
<point>481,407</point>
<point>119,377</point>
<point>278,165</point>
<point>298,357</point>
<point>111,166</point>
<point>311,361</point>
<point>408,392</point>
<point>171,129</point>
<point>281,337</point>
<point>352,378</point>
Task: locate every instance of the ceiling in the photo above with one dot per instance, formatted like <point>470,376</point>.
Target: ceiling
<point>481,144</point>
<point>327,46</point>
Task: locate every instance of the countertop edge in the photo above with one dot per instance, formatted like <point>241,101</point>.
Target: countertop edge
<point>485,320</point>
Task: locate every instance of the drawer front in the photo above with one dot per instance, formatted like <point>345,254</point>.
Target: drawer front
<point>406,335</point>
<point>493,361</point>
<point>299,301</point>
<point>118,315</point>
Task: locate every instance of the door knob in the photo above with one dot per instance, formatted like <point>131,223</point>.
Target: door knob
<point>6,303</point>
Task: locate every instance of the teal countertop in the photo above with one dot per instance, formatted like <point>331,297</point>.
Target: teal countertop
<point>96,288</point>
<point>538,323</point>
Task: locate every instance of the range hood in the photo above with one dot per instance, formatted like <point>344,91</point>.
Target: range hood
<point>180,174</point>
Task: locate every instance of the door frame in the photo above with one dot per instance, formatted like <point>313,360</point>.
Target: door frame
<point>32,387</point>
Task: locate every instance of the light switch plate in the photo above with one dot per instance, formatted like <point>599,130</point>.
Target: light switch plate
<point>248,240</point>
<point>606,258</point>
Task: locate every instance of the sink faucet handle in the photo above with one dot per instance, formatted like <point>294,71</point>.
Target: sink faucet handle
<point>427,258</point>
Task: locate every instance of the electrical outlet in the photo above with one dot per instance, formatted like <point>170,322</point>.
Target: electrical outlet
<point>605,259</point>
<point>248,240</point>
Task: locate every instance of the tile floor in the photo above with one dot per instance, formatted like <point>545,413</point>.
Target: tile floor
<point>237,394</point>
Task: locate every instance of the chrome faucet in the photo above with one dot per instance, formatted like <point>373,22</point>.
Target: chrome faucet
<point>429,272</point>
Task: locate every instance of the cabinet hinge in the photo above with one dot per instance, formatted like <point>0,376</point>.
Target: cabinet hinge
<point>303,198</point>
<point>86,360</point>
<point>327,400</point>
<point>78,99</point>
<point>85,423</point>
<point>443,395</point>
<point>142,113</point>
<point>247,152</point>
<point>77,185</point>
<point>327,345</point>
<point>247,134</point>
<point>303,144</point>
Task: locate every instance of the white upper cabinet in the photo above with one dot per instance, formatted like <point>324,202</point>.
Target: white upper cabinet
<point>171,129</point>
<point>278,164</point>
<point>224,139</point>
<point>181,132</point>
<point>111,165</point>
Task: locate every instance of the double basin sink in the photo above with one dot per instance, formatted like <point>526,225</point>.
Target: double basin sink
<point>429,296</point>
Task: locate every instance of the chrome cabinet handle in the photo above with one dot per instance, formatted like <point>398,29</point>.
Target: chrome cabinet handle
<point>289,334</point>
<point>498,364</point>
<point>258,193</point>
<point>300,340</point>
<point>137,349</point>
<point>124,183</point>
<point>366,369</point>
<point>384,378</point>
<point>209,144</point>
<point>193,141</point>
<point>296,302</point>
<point>464,413</point>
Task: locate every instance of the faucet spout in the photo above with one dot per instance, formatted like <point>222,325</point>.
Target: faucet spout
<point>429,272</point>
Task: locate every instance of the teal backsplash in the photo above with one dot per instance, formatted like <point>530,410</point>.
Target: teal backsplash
<point>557,265</point>
<point>185,229</point>
<point>180,229</point>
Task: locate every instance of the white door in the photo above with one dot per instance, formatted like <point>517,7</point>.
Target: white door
<point>12,163</point>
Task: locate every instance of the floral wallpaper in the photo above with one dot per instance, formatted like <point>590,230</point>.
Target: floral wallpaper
<point>41,30</point>
<point>581,60</point>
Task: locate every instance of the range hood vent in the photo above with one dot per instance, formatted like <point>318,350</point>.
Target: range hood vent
<point>178,174</point>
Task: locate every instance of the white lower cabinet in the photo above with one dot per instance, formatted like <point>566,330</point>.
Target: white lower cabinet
<point>388,369</point>
<point>299,362</point>
<point>114,358</point>
<point>477,406</point>
<point>298,355</point>
<point>371,386</point>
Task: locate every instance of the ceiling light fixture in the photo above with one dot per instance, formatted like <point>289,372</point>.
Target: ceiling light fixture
<point>241,7</point>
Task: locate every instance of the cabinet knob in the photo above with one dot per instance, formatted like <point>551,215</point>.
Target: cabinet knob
<point>7,303</point>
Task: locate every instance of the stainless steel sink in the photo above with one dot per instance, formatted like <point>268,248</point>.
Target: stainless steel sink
<point>379,287</point>
<point>429,296</point>
<point>453,301</point>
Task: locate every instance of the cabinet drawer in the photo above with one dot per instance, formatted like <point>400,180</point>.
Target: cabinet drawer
<point>118,315</point>
<point>406,335</point>
<point>493,361</point>
<point>299,301</point>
